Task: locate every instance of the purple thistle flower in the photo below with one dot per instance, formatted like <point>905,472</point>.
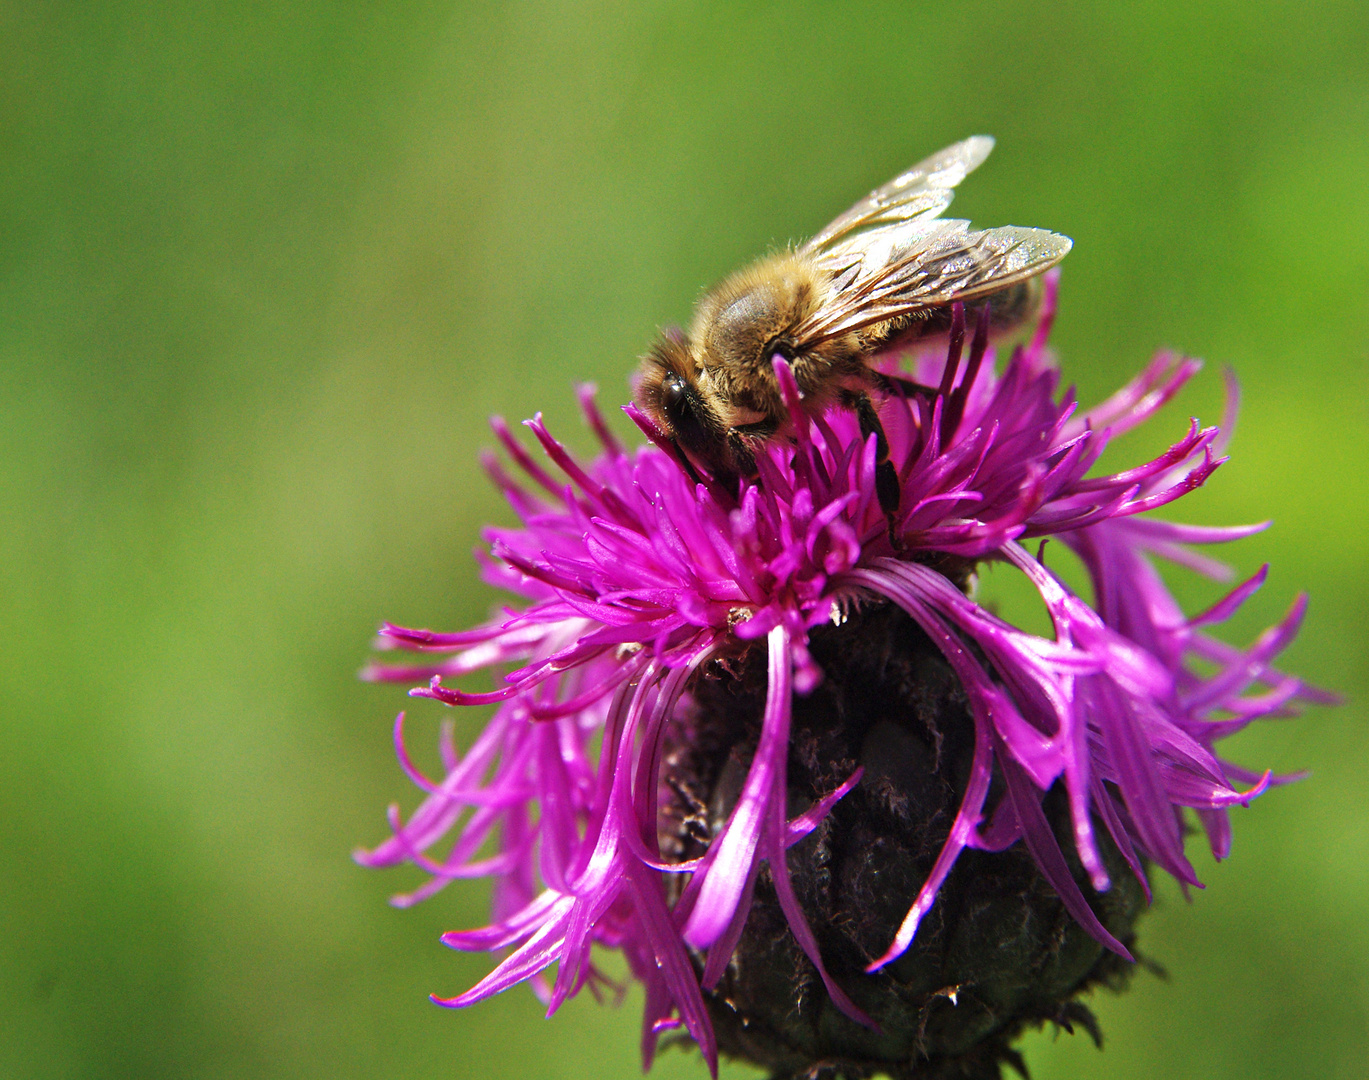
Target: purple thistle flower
<point>638,583</point>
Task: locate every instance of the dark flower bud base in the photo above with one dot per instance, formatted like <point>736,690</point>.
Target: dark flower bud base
<point>997,953</point>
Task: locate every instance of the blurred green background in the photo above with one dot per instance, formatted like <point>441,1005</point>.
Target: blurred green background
<point>265,270</point>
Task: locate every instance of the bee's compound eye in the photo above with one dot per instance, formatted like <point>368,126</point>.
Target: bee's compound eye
<point>685,413</point>
<point>674,395</point>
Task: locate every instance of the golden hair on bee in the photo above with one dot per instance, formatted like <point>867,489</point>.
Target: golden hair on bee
<point>887,270</point>
<point>755,315</point>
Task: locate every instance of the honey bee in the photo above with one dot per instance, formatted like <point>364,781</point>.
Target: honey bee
<point>885,273</point>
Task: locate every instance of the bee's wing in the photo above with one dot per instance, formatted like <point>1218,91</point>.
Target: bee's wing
<point>888,273</point>
<point>922,192</point>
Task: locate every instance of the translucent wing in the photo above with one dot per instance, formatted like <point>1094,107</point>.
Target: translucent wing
<point>924,191</point>
<point>892,254</point>
<point>940,262</point>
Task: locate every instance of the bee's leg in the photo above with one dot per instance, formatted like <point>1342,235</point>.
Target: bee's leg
<point>742,456</point>
<point>890,385</point>
<point>886,476</point>
<point>741,441</point>
<point>761,429</point>
<point>719,479</point>
<point>685,463</point>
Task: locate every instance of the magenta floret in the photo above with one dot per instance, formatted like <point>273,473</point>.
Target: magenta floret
<point>634,576</point>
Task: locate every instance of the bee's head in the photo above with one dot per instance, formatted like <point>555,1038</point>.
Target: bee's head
<point>668,390</point>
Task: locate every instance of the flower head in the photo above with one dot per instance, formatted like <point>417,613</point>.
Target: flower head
<point>646,589</point>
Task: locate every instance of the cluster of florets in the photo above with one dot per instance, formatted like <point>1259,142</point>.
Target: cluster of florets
<point>635,576</point>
